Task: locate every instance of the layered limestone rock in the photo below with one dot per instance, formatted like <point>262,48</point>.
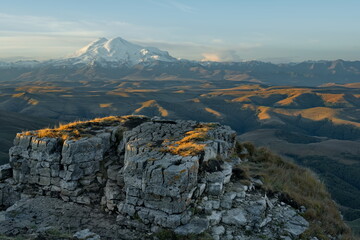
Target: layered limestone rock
<point>161,183</point>
<point>149,174</point>
<point>74,169</point>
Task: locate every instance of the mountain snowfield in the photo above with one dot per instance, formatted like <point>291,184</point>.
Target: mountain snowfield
<point>104,52</point>
<point>120,51</point>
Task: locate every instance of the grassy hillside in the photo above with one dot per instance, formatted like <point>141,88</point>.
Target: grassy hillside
<point>355,226</point>
<point>296,186</point>
<point>319,127</point>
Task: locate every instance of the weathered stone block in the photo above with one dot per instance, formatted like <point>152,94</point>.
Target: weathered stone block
<point>195,226</point>
<point>83,150</point>
<point>215,188</point>
<point>5,171</point>
<point>44,181</point>
<point>44,172</point>
<point>235,216</point>
<point>68,185</point>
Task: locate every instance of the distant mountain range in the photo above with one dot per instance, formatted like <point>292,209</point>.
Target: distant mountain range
<point>312,119</point>
<point>117,58</point>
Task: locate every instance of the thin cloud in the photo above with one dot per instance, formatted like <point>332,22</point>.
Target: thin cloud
<point>182,7</point>
<point>47,37</point>
<point>11,25</point>
<point>174,5</point>
<point>222,56</point>
<point>217,40</point>
<point>31,35</point>
<point>213,57</point>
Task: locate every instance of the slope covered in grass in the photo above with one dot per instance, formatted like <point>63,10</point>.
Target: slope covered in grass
<point>296,186</point>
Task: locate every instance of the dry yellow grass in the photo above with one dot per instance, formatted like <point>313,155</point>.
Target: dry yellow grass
<point>78,129</point>
<point>289,100</point>
<point>348,85</point>
<point>263,112</point>
<point>214,112</point>
<point>153,103</point>
<point>179,91</point>
<point>249,106</point>
<point>333,98</point>
<point>242,99</point>
<point>17,95</point>
<point>33,101</point>
<point>195,100</point>
<point>141,90</point>
<point>318,113</point>
<point>116,93</point>
<point>244,93</point>
<point>43,89</point>
<point>191,144</point>
<point>105,105</point>
<point>187,149</point>
<point>23,96</point>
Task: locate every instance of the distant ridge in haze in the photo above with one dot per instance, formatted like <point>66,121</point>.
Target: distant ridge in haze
<point>117,58</point>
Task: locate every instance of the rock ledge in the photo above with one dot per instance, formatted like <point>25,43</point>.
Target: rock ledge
<point>148,174</point>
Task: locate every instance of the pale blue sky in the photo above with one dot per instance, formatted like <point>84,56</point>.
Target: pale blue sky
<point>225,30</point>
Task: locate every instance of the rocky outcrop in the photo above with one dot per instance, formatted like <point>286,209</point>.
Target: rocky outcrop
<point>149,174</point>
<point>159,185</point>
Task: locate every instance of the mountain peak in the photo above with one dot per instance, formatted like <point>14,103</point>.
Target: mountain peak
<point>118,50</point>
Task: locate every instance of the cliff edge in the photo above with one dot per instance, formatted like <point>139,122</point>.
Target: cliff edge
<point>133,177</point>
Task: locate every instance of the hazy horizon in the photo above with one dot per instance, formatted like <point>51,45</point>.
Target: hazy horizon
<point>280,31</point>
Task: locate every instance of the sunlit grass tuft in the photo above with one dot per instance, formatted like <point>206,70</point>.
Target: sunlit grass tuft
<point>191,144</point>
<point>78,129</point>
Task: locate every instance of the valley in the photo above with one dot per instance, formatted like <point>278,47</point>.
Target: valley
<point>317,127</point>
<point>307,112</point>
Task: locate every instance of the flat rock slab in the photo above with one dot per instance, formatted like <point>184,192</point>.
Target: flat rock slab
<point>28,216</point>
<point>195,226</point>
<point>235,216</point>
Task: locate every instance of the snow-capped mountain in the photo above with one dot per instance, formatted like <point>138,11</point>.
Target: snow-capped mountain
<point>118,51</point>
<point>119,59</point>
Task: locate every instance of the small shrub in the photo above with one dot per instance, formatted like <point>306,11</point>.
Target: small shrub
<point>249,147</point>
<point>241,172</point>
